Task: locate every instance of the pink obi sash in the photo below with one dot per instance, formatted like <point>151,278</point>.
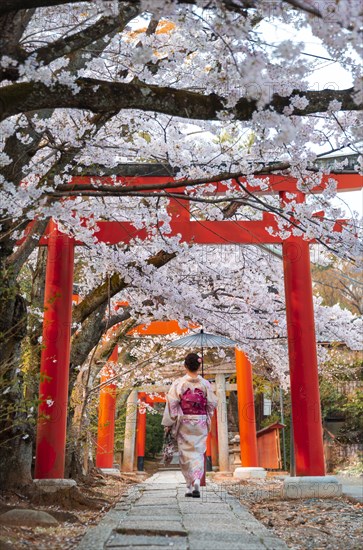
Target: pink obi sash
<point>193,402</point>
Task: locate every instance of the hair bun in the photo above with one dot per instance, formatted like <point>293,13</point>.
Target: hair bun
<point>192,362</point>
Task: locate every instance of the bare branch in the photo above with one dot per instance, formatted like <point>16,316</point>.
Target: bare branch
<point>22,253</point>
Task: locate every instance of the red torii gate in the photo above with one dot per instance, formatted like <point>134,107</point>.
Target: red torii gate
<point>53,390</point>
<point>107,405</point>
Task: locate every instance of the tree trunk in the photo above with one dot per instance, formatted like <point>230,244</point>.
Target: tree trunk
<point>35,326</point>
<point>15,431</point>
<point>16,459</point>
<point>78,418</point>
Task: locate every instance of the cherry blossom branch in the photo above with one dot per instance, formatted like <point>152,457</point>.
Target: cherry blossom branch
<point>101,96</point>
<point>115,284</point>
<point>303,6</point>
<point>65,46</point>
<point>22,253</point>
<point>231,5</point>
<point>72,188</point>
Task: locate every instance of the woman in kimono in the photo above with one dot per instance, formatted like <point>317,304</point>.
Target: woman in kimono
<point>190,405</point>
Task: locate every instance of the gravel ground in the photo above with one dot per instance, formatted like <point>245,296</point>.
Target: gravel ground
<point>74,520</point>
<point>329,524</point>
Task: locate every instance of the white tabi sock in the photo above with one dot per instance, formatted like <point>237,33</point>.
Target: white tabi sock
<point>197,485</point>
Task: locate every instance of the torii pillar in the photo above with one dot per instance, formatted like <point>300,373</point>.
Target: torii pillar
<point>141,434</point>
<point>246,419</point>
<point>106,417</point>
<point>208,454</point>
<point>54,367</point>
<point>214,440</point>
<point>305,395</point>
<point>304,381</point>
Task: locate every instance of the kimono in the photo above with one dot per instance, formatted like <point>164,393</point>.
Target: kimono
<point>190,405</point>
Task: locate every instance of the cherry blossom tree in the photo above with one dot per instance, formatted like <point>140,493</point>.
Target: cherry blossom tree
<point>208,92</point>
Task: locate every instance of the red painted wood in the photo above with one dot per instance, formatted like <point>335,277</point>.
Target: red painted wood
<point>277,183</point>
<point>246,410</point>
<point>106,417</point>
<point>269,453</point>
<point>305,397</point>
<point>209,445</point>
<point>141,431</point>
<point>214,440</point>
<point>58,300</point>
<point>155,399</point>
<point>203,232</point>
<point>232,232</point>
<point>158,328</point>
<point>54,370</point>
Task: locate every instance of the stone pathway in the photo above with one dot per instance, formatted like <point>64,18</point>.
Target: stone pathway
<point>156,515</point>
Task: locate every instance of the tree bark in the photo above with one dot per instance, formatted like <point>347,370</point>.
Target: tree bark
<point>230,5</point>
<point>15,431</point>
<point>102,96</point>
<point>16,459</point>
<point>78,413</point>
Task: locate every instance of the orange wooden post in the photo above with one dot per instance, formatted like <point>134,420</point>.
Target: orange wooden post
<point>141,435</point>
<point>214,440</point>
<point>246,411</point>
<point>106,418</point>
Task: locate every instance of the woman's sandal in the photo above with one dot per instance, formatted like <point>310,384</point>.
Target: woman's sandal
<point>196,492</point>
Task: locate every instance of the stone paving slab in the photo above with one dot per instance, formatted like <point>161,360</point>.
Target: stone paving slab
<point>155,514</point>
<point>202,512</point>
<point>157,526</point>
<point>154,510</point>
<point>144,515</point>
<point>220,524</point>
<point>96,537</point>
<point>148,547</point>
<point>118,540</point>
<point>227,542</point>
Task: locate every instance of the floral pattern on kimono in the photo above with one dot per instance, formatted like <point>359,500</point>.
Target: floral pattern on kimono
<point>190,430</point>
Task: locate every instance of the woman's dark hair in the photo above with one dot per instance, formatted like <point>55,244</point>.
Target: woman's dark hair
<point>192,362</point>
